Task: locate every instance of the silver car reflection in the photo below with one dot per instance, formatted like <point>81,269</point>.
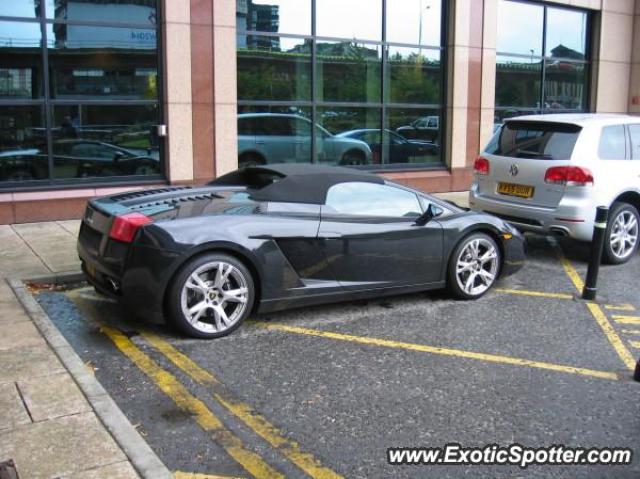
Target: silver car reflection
<point>265,138</point>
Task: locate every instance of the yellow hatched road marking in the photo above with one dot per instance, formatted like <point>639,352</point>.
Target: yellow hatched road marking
<point>173,388</point>
<point>596,311</point>
<point>540,294</point>
<point>626,319</point>
<point>621,307</point>
<point>290,449</point>
<point>493,358</point>
<point>631,331</point>
<point>635,344</point>
<point>199,475</point>
<point>611,335</point>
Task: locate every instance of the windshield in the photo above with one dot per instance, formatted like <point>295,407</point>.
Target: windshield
<point>535,140</point>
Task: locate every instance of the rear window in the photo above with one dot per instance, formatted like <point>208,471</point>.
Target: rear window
<point>535,140</point>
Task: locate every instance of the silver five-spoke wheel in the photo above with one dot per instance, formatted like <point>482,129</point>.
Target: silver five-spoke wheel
<point>474,266</point>
<point>624,234</point>
<point>214,297</point>
<point>211,296</point>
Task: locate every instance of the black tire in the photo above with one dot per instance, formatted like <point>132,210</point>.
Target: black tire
<point>352,158</point>
<point>250,159</point>
<point>618,210</point>
<point>176,314</point>
<point>485,242</point>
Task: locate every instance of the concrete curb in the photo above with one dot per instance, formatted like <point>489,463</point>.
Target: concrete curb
<point>142,457</point>
<point>65,277</point>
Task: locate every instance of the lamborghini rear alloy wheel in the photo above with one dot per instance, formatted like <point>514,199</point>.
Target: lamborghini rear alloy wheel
<point>211,296</point>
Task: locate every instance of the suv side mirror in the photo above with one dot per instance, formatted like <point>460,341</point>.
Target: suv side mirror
<point>431,212</point>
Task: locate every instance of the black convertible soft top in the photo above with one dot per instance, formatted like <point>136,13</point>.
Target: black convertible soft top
<point>293,183</point>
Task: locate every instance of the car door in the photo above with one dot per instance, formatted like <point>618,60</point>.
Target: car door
<point>274,138</point>
<point>370,238</point>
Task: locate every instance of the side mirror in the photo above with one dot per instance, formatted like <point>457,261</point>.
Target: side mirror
<point>431,212</point>
<point>118,155</point>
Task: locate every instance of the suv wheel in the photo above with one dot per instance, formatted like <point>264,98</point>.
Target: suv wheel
<point>621,237</point>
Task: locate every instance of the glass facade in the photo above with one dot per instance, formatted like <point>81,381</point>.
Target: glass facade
<point>543,61</point>
<point>348,82</point>
<point>78,91</point>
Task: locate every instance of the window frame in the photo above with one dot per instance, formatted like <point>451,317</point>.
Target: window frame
<point>314,103</point>
<point>543,58</point>
<point>47,104</point>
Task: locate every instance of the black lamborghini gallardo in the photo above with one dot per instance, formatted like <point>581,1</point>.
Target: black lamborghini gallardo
<point>280,236</point>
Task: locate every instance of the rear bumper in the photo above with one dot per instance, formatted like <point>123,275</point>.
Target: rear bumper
<point>541,220</point>
<point>140,283</point>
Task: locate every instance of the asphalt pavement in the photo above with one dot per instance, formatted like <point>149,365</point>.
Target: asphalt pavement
<point>323,392</point>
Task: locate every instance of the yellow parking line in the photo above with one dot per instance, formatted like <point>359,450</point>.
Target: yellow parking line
<point>635,344</point>
<point>626,319</point>
<point>596,311</point>
<point>621,307</point>
<point>289,448</point>
<point>199,475</point>
<point>173,388</point>
<point>440,351</point>
<point>611,335</point>
<point>540,294</point>
<point>573,274</point>
<point>631,331</point>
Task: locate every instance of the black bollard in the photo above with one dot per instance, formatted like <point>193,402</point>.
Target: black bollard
<point>599,230</point>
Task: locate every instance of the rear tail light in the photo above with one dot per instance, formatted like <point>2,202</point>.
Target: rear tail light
<point>481,166</point>
<point>569,175</point>
<point>124,227</point>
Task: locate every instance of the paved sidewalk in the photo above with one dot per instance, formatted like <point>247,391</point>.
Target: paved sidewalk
<point>47,425</point>
<point>36,249</point>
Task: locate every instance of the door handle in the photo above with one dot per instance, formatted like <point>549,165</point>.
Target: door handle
<point>260,142</point>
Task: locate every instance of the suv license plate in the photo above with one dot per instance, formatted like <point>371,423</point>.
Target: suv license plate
<point>511,189</point>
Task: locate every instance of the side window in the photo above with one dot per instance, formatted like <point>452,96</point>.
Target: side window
<point>634,132</point>
<point>433,122</point>
<point>301,127</point>
<point>245,127</point>
<point>276,126</point>
<point>612,143</point>
<point>370,199</point>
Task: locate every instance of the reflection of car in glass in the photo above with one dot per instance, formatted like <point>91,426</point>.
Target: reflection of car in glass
<point>423,128</point>
<point>75,159</point>
<point>548,173</point>
<point>401,150</point>
<point>95,158</point>
<point>265,138</point>
<point>262,239</point>
<point>23,164</point>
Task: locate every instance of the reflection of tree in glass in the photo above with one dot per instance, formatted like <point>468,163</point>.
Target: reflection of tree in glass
<point>414,79</point>
<point>274,74</point>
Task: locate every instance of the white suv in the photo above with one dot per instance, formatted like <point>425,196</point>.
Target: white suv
<point>548,173</point>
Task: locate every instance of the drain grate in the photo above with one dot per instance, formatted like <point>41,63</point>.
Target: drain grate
<point>8,470</point>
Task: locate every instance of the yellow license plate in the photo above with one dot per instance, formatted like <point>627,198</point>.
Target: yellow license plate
<point>511,189</point>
